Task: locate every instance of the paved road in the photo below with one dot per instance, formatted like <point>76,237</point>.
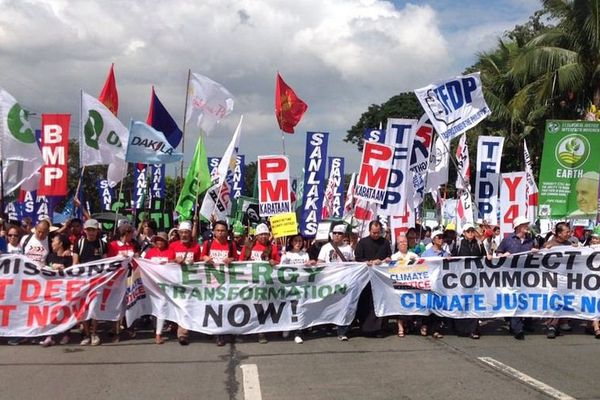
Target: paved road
<point>322,368</point>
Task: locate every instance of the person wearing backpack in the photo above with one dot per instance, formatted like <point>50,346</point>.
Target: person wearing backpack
<point>36,245</point>
<point>467,246</point>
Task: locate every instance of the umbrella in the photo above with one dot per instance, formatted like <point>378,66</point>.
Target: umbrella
<point>109,216</point>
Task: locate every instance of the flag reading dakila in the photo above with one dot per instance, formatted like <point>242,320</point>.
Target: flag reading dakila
<point>103,138</point>
<point>19,151</point>
<point>208,102</point>
<point>149,146</point>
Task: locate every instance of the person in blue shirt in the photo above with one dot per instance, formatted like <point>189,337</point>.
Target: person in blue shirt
<point>436,250</point>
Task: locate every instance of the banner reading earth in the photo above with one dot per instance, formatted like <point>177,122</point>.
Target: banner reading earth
<point>569,175</point>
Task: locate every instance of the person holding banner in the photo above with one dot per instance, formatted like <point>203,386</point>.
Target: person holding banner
<point>374,250</point>
<point>12,245</point>
<point>187,251</point>
<point>36,245</point>
<point>595,244</point>
<point>521,241</point>
<point>436,250</point>
<point>402,256</point>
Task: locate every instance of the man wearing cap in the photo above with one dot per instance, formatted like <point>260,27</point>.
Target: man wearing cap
<point>437,245</point>
<point>336,250</point>
<point>89,248</point>
<point>261,249</point>
<point>519,242</point>
<point>468,246</point>
<point>187,251</point>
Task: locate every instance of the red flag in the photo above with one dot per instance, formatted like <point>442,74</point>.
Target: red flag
<point>289,108</point>
<point>55,151</point>
<point>109,95</point>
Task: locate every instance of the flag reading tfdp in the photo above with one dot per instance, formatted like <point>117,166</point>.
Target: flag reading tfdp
<point>314,182</point>
<point>454,105</point>
<point>489,157</point>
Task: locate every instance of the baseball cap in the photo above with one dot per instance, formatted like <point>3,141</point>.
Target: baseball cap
<point>185,226</point>
<point>90,224</point>
<point>261,228</point>
<point>520,221</point>
<point>467,227</point>
<point>450,227</point>
<point>436,233</point>
<point>340,228</point>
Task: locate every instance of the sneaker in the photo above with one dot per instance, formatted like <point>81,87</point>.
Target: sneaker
<point>95,340</point>
<point>47,342</point>
<point>64,340</point>
<point>566,327</point>
<point>183,340</point>
<point>262,338</point>
<point>15,341</point>
<point>343,338</point>
<point>298,340</point>
<point>85,342</point>
<point>520,336</point>
<point>221,341</point>
<point>551,334</point>
<point>285,334</point>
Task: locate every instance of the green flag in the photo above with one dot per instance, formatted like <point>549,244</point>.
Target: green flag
<point>196,182</point>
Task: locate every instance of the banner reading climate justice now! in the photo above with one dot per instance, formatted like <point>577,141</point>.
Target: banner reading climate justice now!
<point>562,282</point>
<point>36,301</point>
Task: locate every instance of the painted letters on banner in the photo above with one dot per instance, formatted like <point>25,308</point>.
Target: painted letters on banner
<point>158,184</point>
<point>489,153</point>
<point>55,153</point>
<point>513,200</point>
<point>570,172</point>
<point>246,298</point>
<point>314,182</point>
<point>36,301</point>
<point>237,181</point>
<point>546,284</point>
<point>454,105</point>
<point>532,189</point>
<point>140,189</point>
<point>374,135</point>
<point>419,160</point>
<point>464,212</point>
<point>273,185</point>
<point>333,202</point>
<point>106,193</point>
<point>213,166</point>
<point>374,173</point>
<point>400,135</point>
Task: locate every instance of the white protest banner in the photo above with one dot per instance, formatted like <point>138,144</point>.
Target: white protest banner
<point>399,134</point>
<point>36,301</point>
<point>246,298</point>
<point>454,105</point>
<point>464,212</point>
<point>274,193</point>
<point>489,153</point>
<point>557,283</point>
<point>419,160</point>
<point>437,171</point>
<point>313,185</point>
<point>334,192</point>
<point>532,189</point>
<point>513,200</point>
<point>374,174</point>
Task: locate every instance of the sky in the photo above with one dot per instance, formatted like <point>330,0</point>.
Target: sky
<point>340,56</point>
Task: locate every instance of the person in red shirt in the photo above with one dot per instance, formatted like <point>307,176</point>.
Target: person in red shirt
<point>187,251</point>
<point>125,245</point>
<point>162,254</point>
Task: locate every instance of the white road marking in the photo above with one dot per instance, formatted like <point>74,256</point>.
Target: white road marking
<point>541,386</point>
<point>251,382</point>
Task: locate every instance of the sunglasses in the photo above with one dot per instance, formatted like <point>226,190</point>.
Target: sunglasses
<point>12,235</point>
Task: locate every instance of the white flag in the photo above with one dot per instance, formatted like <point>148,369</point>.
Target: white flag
<point>207,103</point>
<point>437,172</point>
<point>102,138</point>
<point>19,151</point>
<point>532,189</point>
<point>464,211</point>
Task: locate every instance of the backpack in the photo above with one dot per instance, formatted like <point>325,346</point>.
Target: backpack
<point>231,253</point>
<point>26,242</point>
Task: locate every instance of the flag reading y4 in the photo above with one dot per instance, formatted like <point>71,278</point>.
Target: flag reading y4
<point>569,176</point>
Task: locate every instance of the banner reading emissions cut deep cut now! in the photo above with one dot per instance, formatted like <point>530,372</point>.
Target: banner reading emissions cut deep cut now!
<point>245,298</point>
<point>562,282</point>
<point>37,301</point>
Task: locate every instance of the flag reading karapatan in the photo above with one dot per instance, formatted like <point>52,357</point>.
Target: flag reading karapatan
<point>19,150</point>
<point>454,105</point>
<point>102,138</point>
<point>289,108</point>
<point>208,102</point>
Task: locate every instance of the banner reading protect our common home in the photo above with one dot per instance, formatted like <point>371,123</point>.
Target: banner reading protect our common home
<point>562,282</point>
<point>569,175</point>
<point>36,301</point>
<point>245,298</point>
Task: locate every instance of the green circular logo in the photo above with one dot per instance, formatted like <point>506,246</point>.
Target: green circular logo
<point>18,124</point>
<point>572,151</point>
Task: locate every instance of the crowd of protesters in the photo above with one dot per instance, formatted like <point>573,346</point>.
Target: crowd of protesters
<point>77,242</point>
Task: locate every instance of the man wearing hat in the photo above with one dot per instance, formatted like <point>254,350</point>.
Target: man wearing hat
<point>261,249</point>
<point>521,241</point>
<point>437,245</point>
<point>336,250</point>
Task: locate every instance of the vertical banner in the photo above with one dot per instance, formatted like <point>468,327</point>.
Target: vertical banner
<point>437,172</point>
<point>213,166</point>
<point>334,192</point>
<point>13,211</point>
<point>106,194</point>
<point>532,189</point>
<point>237,182</point>
<point>374,172</point>
<point>569,177</point>
<point>44,209</point>
<point>140,186</point>
<point>314,182</point>
<point>454,105</point>
<point>400,135</point>
<point>157,183</point>
<point>419,160</point>
<point>464,212</point>
<point>55,153</point>
<point>273,185</point>
<point>27,204</point>
<point>513,200</point>
<point>374,135</point>
<point>489,153</point>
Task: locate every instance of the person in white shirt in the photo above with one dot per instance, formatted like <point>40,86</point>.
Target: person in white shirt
<point>36,245</point>
<point>12,245</point>
<point>403,255</point>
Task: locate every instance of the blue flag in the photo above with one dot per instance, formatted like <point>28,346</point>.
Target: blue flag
<point>149,146</point>
<point>160,119</point>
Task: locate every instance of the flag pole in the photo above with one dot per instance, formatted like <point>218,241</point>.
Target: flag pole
<point>81,142</point>
<point>283,142</point>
